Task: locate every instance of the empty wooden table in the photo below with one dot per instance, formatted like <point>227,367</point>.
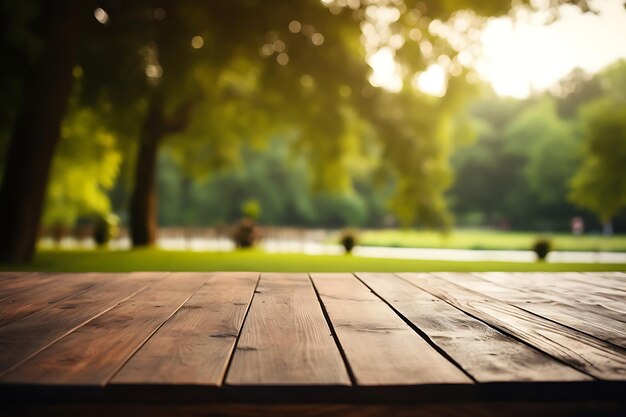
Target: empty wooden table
<point>247,343</point>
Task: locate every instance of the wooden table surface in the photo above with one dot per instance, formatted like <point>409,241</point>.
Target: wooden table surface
<point>330,342</point>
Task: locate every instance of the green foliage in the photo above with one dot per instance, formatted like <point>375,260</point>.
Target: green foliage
<point>517,171</point>
<point>550,146</point>
<point>277,180</point>
<point>343,128</point>
<point>85,167</point>
<point>600,183</point>
<point>319,94</point>
<point>251,209</point>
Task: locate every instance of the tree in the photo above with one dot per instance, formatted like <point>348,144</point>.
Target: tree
<point>550,147</point>
<point>517,172</point>
<point>600,183</point>
<point>36,132</point>
<point>148,58</point>
<point>84,168</point>
<point>489,178</point>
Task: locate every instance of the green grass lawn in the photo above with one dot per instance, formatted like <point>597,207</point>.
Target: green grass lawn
<point>489,239</point>
<point>253,260</point>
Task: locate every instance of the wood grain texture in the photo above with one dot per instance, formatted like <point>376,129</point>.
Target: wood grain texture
<point>136,344</point>
<point>615,280</point>
<point>566,313</point>
<point>23,338</point>
<point>195,344</point>
<point>285,339</point>
<point>43,293</point>
<point>485,353</point>
<point>14,282</point>
<point>567,289</point>
<point>380,347</point>
<point>579,350</point>
<point>94,352</point>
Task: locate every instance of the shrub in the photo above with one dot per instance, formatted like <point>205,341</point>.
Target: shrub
<point>105,229</point>
<point>542,247</point>
<point>245,234</point>
<point>251,209</point>
<point>348,241</point>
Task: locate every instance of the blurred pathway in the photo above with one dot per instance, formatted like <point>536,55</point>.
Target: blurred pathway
<point>316,248</point>
<point>444,254</point>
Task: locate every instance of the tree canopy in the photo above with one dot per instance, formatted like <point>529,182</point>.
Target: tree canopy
<point>205,76</point>
<point>600,182</point>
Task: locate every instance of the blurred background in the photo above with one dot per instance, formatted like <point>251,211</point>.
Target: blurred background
<point>464,130</point>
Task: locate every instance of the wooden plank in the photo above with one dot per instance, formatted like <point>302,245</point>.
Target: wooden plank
<point>285,339</point>
<point>9,275</point>
<point>16,282</point>
<point>25,337</point>
<point>595,304</point>
<point>483,352</point>
<point>579,287</point>
<point>195,345</point>
<point>616,280</point>
<point>93,353</point>
<point>579,350</point>
<point>44,293</point>
<point>588,322</point>
<point>562,289</point>
<point>380,347</point>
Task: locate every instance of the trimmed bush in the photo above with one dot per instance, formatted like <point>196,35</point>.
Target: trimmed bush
<point>348,241</point>
<point>105,229</point>
<point>245,234</point>
<point>542,247</point>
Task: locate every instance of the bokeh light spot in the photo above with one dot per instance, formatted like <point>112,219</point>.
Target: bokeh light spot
<point>267,50</point>
<point>307,81</point>
<point>197,42</point>
<point>154,71</point>
<point>295,26</point>
<point>432,81</point>
<point>317,39</point>
<point>282,58</point>
<point>279,46</point>
<point>101,15</point>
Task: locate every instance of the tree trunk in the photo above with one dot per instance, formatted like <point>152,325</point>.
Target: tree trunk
<point>36,134</point>
<point>143,205</point>
<point>143,209</point>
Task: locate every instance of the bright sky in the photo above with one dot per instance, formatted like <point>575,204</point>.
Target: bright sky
<point>524,56</point>
<point>520,57</point>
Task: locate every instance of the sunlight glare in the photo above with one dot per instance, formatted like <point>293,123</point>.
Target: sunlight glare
<point>521,57</point>
<point>385,70</point>
<point>432,81</point>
